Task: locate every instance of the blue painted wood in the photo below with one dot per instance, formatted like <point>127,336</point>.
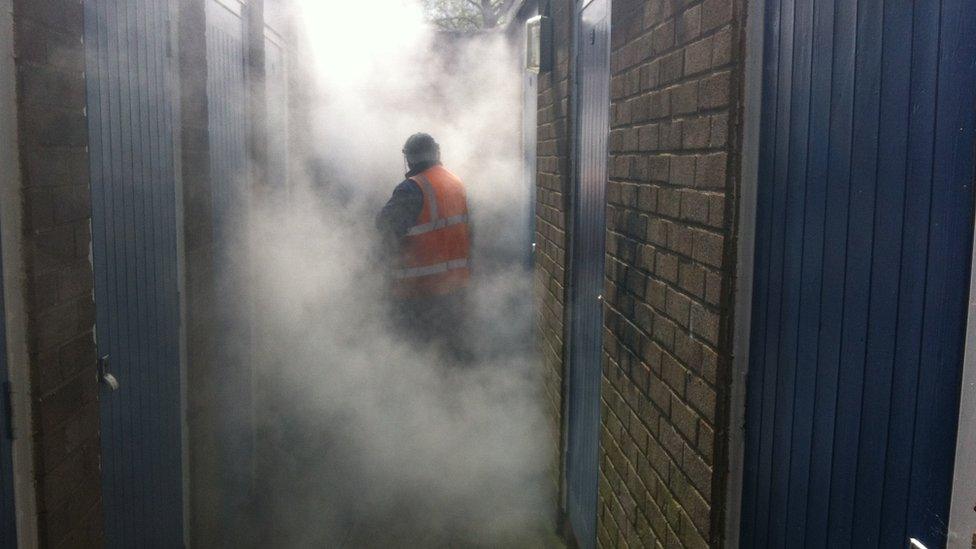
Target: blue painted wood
<point>912,273</point>
<point>814,219</point>
<point>8,517</point>
<point>864,228</point>
<point>837,168</point>
<point>131,88</point>
<point>886,260</point>
<point>586,351</point>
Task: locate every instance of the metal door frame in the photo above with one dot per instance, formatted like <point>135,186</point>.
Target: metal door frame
<point>174,40</point>
<point>962,515</point>
<point>745,265</point>
<point>530,163</point>
<point>574,175</point>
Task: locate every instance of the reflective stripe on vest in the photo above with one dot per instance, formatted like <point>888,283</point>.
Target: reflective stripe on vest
<point>428,191</point>
<point>439,224</point>
<point>428,270</point>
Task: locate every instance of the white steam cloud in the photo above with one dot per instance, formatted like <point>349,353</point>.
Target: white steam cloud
<point>373,440</point>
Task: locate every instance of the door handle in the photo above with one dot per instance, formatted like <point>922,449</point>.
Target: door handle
<point>104,377</point>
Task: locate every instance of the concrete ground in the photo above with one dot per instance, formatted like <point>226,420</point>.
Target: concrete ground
<point>365,535</point>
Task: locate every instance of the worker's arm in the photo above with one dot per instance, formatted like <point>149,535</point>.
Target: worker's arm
<point>401,210</point>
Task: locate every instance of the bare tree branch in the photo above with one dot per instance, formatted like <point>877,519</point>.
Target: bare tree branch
<point>465,15</point>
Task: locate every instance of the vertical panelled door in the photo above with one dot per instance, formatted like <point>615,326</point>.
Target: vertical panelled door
<point>131,87</point>
<point>586,301</point>
<point>863,248</point>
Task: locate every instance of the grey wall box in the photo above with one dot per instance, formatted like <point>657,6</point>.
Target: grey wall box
<point>538,47</point>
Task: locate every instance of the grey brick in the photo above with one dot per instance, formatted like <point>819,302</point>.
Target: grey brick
<point>714,91</point>
<point>649,75</point>
<point>662,37</point>
<point>672,67</point>
<point>708,248</point>
<point>694,206</point>
<point>684,98</point>
<point>688,25</point>
<point>697,133</point>
<point>720,130</point>
<point>715,13</point>
<point>698,56</point>
<point>710,171</point>
<point>648,137</point>
<point>691,278</point>
<point>704,324</point>
<point>683,170</point>
<point>722,48</point>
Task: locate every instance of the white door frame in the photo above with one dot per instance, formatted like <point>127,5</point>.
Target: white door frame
<point>742,323</point>
<point>962,515</point>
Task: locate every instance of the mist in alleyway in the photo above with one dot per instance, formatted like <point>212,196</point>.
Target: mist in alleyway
<point>365,438</point>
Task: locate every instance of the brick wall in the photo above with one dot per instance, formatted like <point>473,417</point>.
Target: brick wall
<point>53,139</point>
<point>670,263</point>
<point>553,183</point>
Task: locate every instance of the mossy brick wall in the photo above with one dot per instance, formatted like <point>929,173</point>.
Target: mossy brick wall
<point>670,265</point>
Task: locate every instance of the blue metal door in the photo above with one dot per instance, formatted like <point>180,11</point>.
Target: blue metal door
<point>230,400</point>
<point>864,229</point>
<point>8,519</point>
<point>131,86</point>
<point>589,234</point>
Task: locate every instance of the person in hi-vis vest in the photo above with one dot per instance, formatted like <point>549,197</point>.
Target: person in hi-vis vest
<point>427,232</point>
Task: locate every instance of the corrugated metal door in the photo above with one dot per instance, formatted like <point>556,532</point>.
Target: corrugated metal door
<point>277,106</point>
<point>8,519</point>
<point>131,82</point>
<point>589,234</point>
<point>864,229</point>
<point>227,108</point>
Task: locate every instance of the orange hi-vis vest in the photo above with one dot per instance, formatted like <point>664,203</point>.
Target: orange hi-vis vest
<point>435,252</point>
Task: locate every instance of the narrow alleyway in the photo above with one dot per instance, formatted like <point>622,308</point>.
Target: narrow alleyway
<point>487,274</point>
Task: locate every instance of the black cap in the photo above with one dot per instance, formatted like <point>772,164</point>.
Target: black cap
<point>421,147</point>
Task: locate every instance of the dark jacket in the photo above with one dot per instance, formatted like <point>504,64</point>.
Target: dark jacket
<point>403,208</point>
